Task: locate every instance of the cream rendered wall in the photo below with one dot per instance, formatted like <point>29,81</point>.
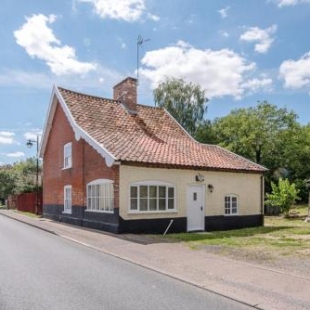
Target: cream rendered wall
<point>245,185</point>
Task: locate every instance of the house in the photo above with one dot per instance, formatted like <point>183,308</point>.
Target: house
<point>122,167</point>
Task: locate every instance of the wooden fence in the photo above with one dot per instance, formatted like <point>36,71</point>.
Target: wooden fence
<point>27,202</point>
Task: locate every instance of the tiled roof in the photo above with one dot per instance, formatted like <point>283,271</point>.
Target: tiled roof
<point>151,136</point>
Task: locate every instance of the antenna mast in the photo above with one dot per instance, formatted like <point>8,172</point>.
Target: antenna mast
<point>140,42</point>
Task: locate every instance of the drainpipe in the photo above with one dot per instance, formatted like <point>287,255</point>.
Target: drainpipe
<point>262,185</point>
<point>168,227</point>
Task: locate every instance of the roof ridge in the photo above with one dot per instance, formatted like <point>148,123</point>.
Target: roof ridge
<point>86,94</point>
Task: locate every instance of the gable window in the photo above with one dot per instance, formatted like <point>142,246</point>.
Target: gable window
<point>231,205</point>
<point>152,197</point>
<point>68,155</point>
<point>100,196</point>
<point>67,199</point>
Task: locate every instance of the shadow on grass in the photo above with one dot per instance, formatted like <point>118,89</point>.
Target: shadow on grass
<point>245,232</point>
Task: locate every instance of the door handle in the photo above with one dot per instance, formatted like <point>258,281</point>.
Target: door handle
<point>201,208</point>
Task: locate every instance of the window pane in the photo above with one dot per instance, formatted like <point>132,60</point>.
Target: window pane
<point>68,155</point>
<point>153,191</point>
<point>162,191</point>
<point>134,192</point>
<point>171,192</point>
<point>134,204</point>
<point>143,204</point>
<point>170,204</point>
<point>153,204</point>
<point>143,191</point>
<point>162,204</point>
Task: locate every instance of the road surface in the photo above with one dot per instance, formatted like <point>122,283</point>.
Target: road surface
<point>39,270</point>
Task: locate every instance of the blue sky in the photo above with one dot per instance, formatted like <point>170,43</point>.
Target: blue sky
<point>240,52</point>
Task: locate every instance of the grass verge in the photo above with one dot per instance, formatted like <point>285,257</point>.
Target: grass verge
<point>279,237</point>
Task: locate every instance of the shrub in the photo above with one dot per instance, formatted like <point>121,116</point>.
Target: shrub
<point>283,195</point>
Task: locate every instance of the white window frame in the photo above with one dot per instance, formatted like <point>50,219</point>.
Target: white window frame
<point>100,196</point>
<point>67,199</point>
<point>231,205</point>
<point>68,155</point>
<point>151,202</point>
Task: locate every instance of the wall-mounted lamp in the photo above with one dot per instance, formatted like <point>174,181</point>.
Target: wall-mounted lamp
<point>199,177</point>
<point>210,187</point>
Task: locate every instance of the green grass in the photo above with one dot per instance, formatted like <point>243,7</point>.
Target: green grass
<point>279,235</point>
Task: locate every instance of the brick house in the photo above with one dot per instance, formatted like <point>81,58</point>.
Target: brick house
<point>118,166</point>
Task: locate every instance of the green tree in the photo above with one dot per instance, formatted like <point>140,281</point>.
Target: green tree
<point>205,133</point>
<point>283,195</point>
<point>255,132</point>
<point>295,154</point>
<point>18,178</point>
<point>186,102</point>
<point>7,182</point>
<point>26,175</point>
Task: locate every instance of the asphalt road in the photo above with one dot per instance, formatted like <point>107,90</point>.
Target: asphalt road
<point>39,271</point>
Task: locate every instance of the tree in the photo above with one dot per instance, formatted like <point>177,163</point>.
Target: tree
<point>205,133</point>
<point>186,102</point>
<point>7,182</point>
<point>18,178</point>
<point>283,195</point>
<point>295,152</point>
<point>26,175</point>
<point>255,132</point>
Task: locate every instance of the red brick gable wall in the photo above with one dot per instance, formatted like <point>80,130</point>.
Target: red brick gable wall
<point>87,165</point>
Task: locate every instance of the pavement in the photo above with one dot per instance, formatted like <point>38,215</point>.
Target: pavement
<point>251,284</point>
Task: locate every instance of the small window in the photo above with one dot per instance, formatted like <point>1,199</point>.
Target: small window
<point>68,199</point>
<point>68,155</point>
<point>152,197</point>
<point>100,196</point>
<point>231,205</point>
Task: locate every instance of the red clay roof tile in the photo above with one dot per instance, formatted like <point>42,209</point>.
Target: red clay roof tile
<point>151,136</point>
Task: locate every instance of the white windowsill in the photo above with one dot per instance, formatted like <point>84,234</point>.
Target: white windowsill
<point>67,212</point>
<point>174,211</point>
<point>99,211</point>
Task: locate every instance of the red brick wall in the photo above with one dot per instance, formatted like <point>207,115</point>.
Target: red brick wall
<point>87,165</point>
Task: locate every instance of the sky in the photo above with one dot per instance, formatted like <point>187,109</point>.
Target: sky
<point>240,52</point>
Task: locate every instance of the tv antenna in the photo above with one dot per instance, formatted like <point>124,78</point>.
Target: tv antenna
<point>140,42</point>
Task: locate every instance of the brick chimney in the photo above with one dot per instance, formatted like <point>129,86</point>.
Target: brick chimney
<point>126,92</point>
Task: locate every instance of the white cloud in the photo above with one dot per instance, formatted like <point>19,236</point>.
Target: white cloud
<point>22,78</point>
<point>34,80</point>
<point>127,10</point>
<point>296,73</point>
<point>282,3</point>
<point>224,34</point>
<point>6,137</point>
<point>224,12</point>
<point>33,135</point>
<point>263,37</point>
<point>219,72</point>
<point>40,42</point>
<point>16,154</point>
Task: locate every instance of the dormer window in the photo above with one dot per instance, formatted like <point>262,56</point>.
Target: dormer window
<point>68,155</point>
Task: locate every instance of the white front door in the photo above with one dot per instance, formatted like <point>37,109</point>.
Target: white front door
<point>195,208</point>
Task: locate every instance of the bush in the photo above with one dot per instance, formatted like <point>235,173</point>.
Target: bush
<point>283,195</point>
